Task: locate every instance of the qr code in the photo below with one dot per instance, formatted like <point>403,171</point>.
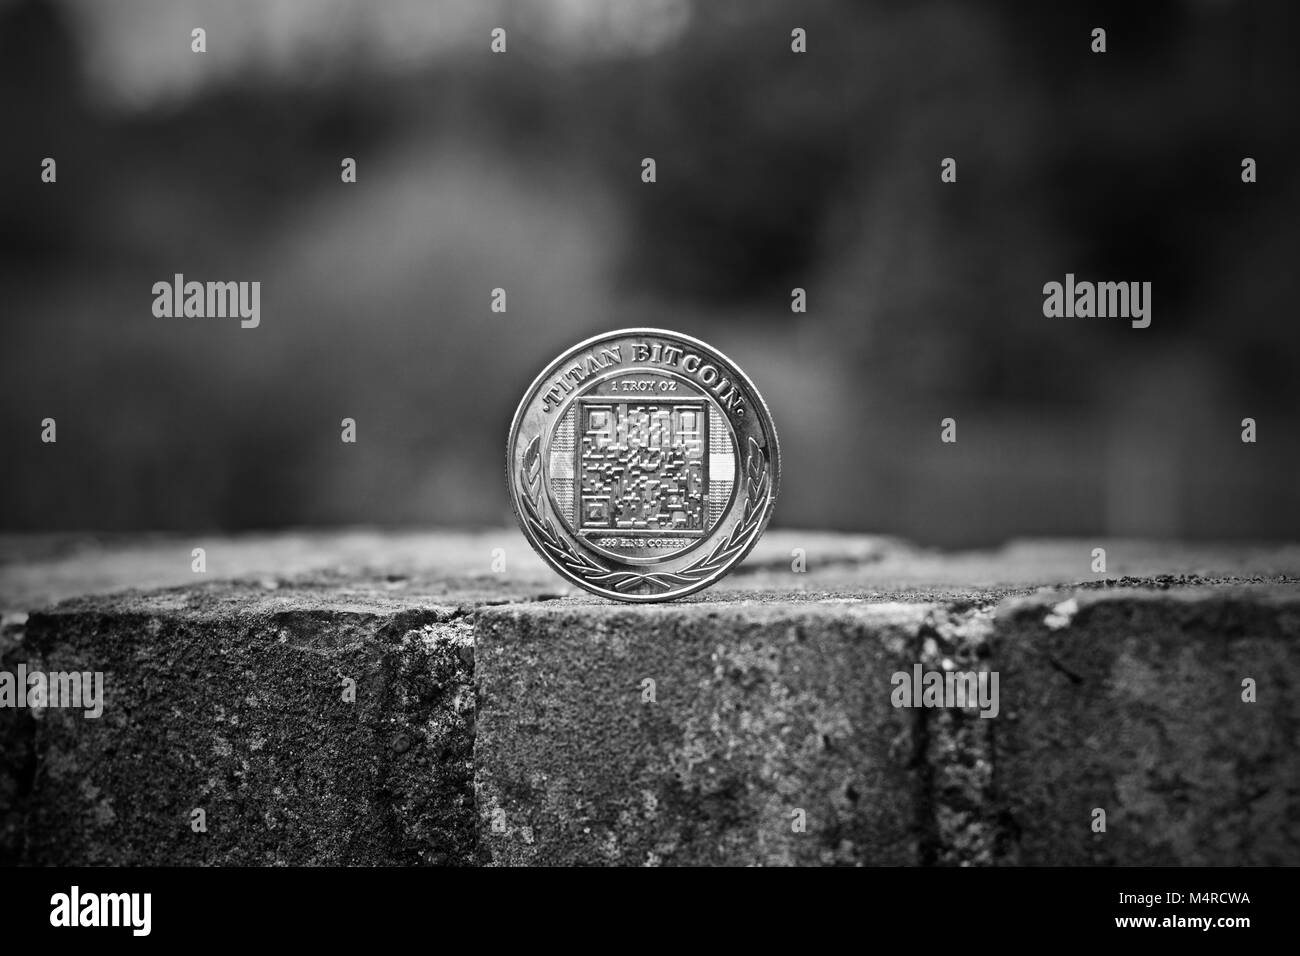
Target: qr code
<point>643,466</point>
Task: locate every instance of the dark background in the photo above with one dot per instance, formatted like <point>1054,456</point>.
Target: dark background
<point>775,170</point>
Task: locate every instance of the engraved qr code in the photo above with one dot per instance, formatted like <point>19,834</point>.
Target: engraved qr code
<point>643,466</point>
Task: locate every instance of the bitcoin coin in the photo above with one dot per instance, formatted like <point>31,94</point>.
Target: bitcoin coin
<point>643,465</point>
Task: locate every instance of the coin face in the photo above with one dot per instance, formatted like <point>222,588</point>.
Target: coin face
<point>643,465</point>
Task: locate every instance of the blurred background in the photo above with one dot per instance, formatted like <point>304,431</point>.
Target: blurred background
<point>775,170</point>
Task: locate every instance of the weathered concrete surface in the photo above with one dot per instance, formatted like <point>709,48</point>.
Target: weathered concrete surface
<point>17,750</point>
<point>39,570</point>
<point>1134,704</point>
<point>233,702</point>
<point>757,715</point>
<point>772,695</point>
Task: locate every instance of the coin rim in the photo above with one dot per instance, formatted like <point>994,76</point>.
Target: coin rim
<point>774,465</point>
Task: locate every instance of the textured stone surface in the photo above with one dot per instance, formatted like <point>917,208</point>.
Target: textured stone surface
<point>1123,699</point>
<point>17,749</point>
<point>1133,704</point>
<point>233,702</point>
<point>759,713</point>
<point>772,695</point>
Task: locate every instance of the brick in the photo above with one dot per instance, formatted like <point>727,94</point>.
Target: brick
<point>760,711</point>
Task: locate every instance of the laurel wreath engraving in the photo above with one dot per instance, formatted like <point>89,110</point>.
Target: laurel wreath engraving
<point>757,504</point>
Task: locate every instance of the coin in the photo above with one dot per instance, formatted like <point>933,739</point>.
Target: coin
<point>642,465</point>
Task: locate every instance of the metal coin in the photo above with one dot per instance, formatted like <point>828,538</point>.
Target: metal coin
<point>643,465</point>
